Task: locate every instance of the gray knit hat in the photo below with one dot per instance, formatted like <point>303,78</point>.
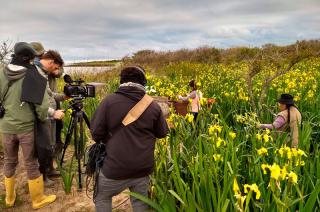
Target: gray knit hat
<point>38,47</point>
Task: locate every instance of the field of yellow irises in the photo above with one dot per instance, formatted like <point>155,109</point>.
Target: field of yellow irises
<point>222,162</point>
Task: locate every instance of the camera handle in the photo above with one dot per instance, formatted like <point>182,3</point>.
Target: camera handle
<point>77,118</point>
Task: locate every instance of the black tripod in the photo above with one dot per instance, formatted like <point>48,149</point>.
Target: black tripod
<point>77,117</point>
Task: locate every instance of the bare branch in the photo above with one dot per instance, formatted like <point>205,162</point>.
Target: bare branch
<point>279,73</point>
<point>5,51</point>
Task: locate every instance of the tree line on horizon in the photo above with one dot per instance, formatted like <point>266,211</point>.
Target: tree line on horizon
<point>203,54</point>
<point>212,55</point>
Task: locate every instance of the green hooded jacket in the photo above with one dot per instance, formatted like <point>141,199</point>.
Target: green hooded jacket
<point>19,116</point>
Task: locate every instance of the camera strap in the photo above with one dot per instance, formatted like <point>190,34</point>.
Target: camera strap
<point>137,110</point>
<point>132,115</point>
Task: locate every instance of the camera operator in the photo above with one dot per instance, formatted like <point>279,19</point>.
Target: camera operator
<point>130,149</point>
<point>24,99</point>
<point>52,78</point>
<point>49,62</point>
<point>53,88</point>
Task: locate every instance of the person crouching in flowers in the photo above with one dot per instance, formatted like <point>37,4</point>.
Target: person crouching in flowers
<point>194,96</point>
<point>287,120</point>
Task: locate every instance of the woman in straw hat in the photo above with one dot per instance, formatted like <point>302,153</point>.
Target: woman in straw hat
<point>287,121</point>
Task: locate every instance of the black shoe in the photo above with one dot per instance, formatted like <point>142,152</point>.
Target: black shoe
<point>58,148</point>
<point>48,183</point>
<point>53,172</point>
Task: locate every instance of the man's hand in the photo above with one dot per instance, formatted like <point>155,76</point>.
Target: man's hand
<point>58,114</point>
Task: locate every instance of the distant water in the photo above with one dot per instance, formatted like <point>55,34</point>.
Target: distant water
<point>90,69</point>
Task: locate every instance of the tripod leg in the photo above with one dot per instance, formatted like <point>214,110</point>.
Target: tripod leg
<point>77,147</point>
<point>79,174</point>
<point>81,143</point>
<point>75,136</point>
<point>68,138</point>
<point>86,119</point>
<point>80,149</point>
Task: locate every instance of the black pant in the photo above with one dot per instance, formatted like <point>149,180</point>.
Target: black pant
<point>43,148</point>
<point>59,126</point>
<point>195,115</point>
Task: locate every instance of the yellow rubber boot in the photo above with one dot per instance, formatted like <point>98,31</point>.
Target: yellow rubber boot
<point>10,191</point>
<point>39,200</point>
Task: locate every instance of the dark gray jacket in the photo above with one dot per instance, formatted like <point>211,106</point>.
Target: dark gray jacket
<point>130,151</point>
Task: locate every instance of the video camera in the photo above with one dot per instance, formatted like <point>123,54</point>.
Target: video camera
<point>75,88</point>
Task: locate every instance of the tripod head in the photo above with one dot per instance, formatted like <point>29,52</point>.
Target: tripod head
<point>76,104</point>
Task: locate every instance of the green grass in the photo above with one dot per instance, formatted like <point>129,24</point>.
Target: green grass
<point>3,206</point>
<point>67,172</point>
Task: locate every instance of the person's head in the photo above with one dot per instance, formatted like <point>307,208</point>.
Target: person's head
<point>38,47</point>
<point>59,73</point>
<point>24,52</point>
<point>193,85</point>
<point>285,101</point>
<point>134,74</point>
<point>52,62</point>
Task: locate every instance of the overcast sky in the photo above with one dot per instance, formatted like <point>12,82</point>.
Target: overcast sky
<point>97,29</point>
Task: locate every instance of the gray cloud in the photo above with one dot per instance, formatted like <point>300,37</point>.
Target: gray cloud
<point>100,29</point>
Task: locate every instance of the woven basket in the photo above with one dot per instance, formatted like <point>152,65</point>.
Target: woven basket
<point>181,108</point>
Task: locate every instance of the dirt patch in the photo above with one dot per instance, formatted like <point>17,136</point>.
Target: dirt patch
<point>76,201</point>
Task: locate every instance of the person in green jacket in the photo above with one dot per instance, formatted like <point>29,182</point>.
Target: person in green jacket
<point>17,124</point>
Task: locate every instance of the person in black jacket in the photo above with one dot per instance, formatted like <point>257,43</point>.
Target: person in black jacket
<point>130,149</point>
